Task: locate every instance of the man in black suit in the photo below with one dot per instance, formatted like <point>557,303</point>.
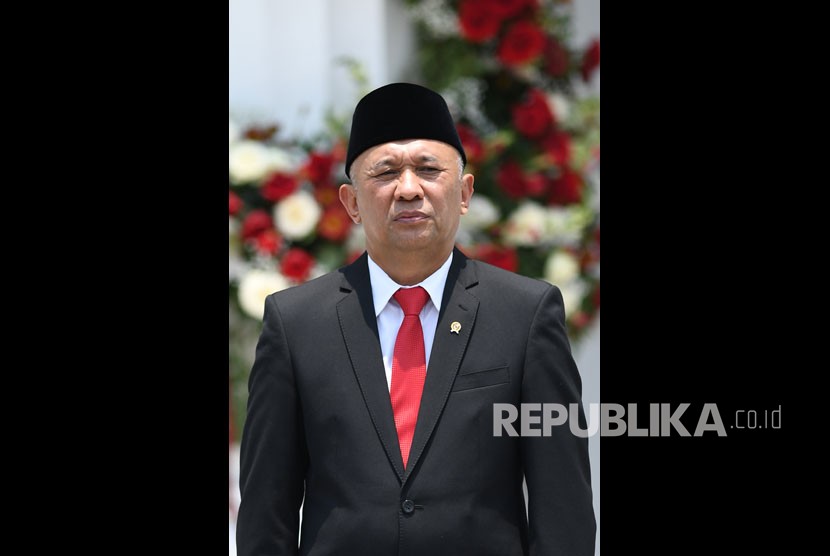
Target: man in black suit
<point>371,399</point>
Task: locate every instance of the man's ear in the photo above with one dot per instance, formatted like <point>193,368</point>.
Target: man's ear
<point>466,192</point>
<point>348,196</point>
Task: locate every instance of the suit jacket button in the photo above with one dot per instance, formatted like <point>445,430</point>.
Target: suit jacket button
<point>408,506</point>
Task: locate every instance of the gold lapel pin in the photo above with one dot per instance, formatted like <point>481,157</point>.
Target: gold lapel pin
<point>455,327</point>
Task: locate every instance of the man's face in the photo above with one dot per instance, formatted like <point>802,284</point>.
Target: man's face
<point>409,195</point>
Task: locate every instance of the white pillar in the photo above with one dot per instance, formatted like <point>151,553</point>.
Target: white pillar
<point>283,57</point>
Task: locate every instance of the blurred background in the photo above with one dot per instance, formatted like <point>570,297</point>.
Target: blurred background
<point>522,80</point>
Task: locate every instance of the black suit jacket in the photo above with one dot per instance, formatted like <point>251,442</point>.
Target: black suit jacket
<point>320,432</point>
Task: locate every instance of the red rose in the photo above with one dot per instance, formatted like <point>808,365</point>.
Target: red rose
<point>515,183</point>
<point>508,8</point>
<point>267,242</point>
<point>556,58</point>
<point>590,254</point>
<point>511,178</point>
<point>590,60</point>
<point>278,186</point>
<point>579,319</point>
<point>327,194</point>
<point>523,42</point>
<point>502,257</point>
<point>296,264</point>
<point>256,221</point>
<point>533,117</point>
<point>473,146</point>
<point>318,168</point>
<point>557,145</point>
<point>334,224</point>
<point>234,203</point>
<point>566,189</point>
<point>535,185</point>
<point>589,258</point>
<point>338,150</point>
<point>478,20</point>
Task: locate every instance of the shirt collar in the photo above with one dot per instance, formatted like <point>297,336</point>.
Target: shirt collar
<point>383,287</point>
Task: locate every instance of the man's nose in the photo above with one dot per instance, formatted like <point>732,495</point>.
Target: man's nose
<point>409,186</point>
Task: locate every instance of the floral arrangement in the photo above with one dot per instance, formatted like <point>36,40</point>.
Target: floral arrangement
<point>517,90</point>
<point>518,93</point>
<point>286,226</point>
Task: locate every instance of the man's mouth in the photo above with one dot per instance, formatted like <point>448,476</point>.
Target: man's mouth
<point>409,216</point>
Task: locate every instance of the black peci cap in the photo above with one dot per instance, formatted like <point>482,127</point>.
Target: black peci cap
<point>400,111</point>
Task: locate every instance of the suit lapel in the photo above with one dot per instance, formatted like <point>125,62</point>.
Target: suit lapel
<point>360,332</point>
<point>447,351</point>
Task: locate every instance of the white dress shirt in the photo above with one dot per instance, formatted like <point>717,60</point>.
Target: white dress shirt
<point>390,315</point>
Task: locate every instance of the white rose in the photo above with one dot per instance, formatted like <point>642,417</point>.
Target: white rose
<point>356,241</point>
<point>526,226</point>
<point>236,265</point>
<point>437,16</point>
<point>481,213</point>
<point>561,268</point>
<point>572,295</point>
<point>255,286</point>
<point>564,225</point>
<point>248,161</point>
<point>297,215</point>
<point>528,73</point>
<point>316,271</point>
<point>560,106</point>
<point>280,161</point>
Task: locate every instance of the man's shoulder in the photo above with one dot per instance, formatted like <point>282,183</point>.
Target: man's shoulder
<point>315,290</point>
<point>500,279</point>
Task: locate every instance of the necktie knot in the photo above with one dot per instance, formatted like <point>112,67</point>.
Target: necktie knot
<point>411,300</point>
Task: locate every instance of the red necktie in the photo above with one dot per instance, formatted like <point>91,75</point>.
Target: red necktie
<point>409,368</point>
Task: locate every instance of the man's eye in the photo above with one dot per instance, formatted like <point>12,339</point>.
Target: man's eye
<point>428,170</point>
